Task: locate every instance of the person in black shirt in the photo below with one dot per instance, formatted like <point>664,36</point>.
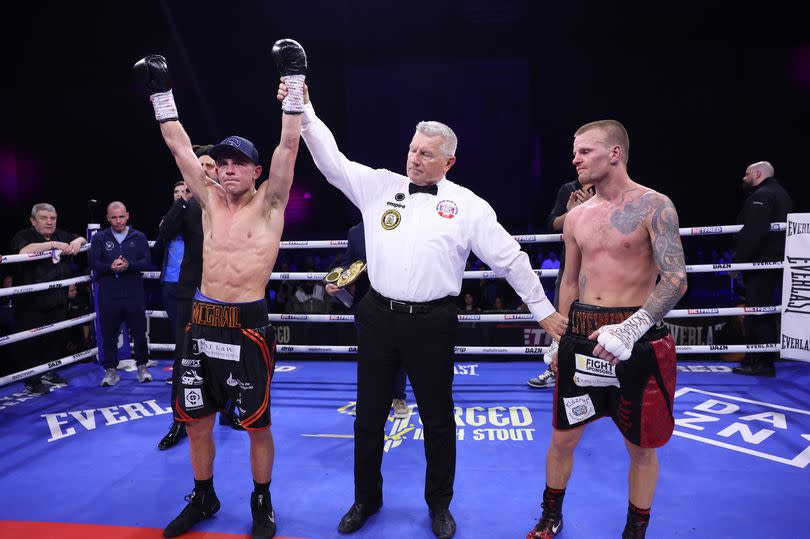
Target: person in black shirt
<point>767,202</point>
<point>48,306</point>
<point>570,195</point>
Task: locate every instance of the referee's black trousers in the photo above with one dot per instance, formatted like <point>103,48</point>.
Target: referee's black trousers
<point>423,343</point>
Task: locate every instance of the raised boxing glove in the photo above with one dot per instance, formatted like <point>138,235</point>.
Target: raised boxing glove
<point>291,61</point>
<point>152,72</point>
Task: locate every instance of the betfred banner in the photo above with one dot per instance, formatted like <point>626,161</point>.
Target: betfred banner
<point>796,289</point>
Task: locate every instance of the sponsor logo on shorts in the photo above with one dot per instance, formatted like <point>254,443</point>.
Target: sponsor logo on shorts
<point>593,371</point>
<point>395,205</point>
<point>399,197</point>
<point>219,350</point>
<point>578,409</point>
<point>233,382</point>
<point>188,362</point>
<point>194,398</point>
<point>191,378</point>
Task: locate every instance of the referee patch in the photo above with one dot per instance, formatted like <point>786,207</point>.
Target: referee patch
<point>390,219</point>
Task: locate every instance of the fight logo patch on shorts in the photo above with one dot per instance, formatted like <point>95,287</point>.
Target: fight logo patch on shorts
<point>390,219</point>
<point>194,398</point>
<point>219,350</point>
<point>594,372</point>
<point>578,409</point>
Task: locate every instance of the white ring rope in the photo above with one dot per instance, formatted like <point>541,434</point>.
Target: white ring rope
<point>511,350</point>
<point>48,328</point>
<point>315,276</point>
<point>11,259</point>
<point>39,369</point>
<point>512,317</point>
<point>487,274</point>
<point>26,288</point>
<point>335,244</point>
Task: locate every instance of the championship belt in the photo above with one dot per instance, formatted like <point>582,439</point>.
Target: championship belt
<point>343,277</point>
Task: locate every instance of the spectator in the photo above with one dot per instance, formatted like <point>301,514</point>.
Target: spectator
<point>48,306</point>
<point>767,202</point>
<point>118,254</point>
<point>470,303</point>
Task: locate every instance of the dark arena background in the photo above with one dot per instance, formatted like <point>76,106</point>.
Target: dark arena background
<point>703,88</point>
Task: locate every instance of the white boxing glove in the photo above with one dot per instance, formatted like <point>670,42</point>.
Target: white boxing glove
<point>551,351</point>
<point>618,339</point>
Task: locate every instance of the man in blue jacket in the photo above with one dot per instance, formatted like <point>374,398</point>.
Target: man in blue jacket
<point>118,254</point>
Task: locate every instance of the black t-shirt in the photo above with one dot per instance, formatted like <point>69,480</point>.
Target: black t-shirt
<point>41,271</point>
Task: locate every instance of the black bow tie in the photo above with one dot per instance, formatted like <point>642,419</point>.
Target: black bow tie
<point>432,189</point>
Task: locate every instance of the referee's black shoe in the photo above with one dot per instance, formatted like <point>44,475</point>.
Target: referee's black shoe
<point>356,517</point>
<point>176,433</point>
<point>202,504</point>
<point>442,523</point>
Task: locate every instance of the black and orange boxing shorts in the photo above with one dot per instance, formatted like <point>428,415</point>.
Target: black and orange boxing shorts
<point>638,393</point>
<point>228,355</point>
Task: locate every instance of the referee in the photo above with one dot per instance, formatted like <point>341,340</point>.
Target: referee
<point>419,229</point>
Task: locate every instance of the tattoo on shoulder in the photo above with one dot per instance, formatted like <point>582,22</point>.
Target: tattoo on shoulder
<point>668,254</point>
<point>633,213</point>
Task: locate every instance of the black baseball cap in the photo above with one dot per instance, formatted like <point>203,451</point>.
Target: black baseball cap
<point>228,145</point>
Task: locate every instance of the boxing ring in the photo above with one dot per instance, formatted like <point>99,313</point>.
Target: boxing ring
<point>81,460</point>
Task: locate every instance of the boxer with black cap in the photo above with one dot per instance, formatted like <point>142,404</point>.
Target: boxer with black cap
<point>228,347</point>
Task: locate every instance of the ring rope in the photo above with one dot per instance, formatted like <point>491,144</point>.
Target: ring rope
<point>26,288</point>
<point>48,328</point>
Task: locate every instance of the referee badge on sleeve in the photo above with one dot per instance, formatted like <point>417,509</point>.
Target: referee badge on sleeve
<point>390,219</point>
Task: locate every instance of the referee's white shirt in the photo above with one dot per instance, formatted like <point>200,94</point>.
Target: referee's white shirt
<point>417,245</point>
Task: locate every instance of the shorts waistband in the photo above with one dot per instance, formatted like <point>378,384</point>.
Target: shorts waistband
<point>229,315</point>
<point>584,319</point>
<point>409,307</point>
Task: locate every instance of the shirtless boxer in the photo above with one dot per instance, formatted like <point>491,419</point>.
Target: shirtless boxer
<point>616,359</point>
<point>227,351</point>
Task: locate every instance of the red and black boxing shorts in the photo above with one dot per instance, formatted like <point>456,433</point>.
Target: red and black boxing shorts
<point>228,354</point>
<point>638,393</point>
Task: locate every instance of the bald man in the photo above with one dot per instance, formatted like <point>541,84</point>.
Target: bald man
<point>118,254</point>
<point>767,202</point>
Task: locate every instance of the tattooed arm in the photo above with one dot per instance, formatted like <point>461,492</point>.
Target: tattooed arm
<point>668,254</point>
